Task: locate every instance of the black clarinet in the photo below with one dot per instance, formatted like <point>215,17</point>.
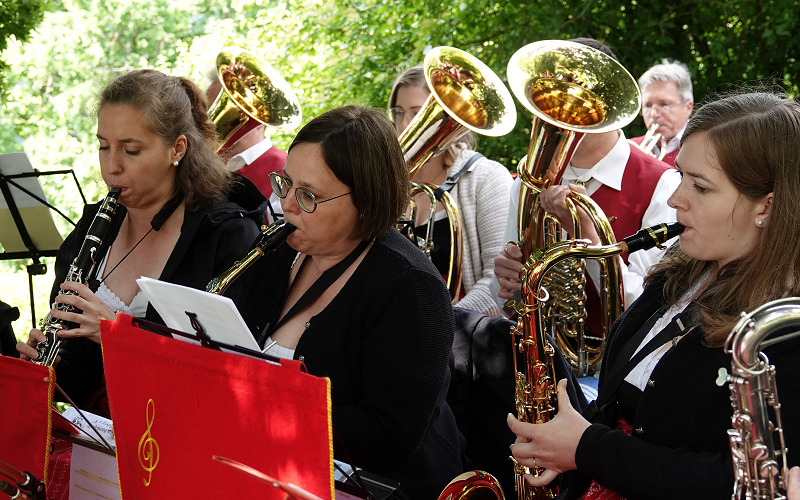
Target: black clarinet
<point>80,271</point>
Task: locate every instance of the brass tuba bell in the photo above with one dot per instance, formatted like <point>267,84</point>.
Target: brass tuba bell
<point>465,95</point>
<point>253,93</point>
<point>572,90</point>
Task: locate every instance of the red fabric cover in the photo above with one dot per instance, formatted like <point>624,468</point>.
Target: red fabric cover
<point>58,473</point>
<point>175,405</point>
<point>272,160</point>
<point>26,396</point>
<point>598,492</point>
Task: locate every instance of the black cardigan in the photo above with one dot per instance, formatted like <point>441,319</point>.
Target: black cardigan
<point>211,240</point>
<point>384,342</point>
<point>680,446</point>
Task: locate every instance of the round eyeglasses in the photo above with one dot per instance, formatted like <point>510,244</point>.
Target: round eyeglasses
<point>305,199</point>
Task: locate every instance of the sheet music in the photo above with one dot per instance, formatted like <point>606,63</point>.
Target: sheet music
<point>217,314</point>
<point>37,218</point>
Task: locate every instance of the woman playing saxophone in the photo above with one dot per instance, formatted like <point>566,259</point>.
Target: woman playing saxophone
<point>659,426</point>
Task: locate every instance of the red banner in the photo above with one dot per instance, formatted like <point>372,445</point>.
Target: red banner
<point>26,398</point>
<point>176,405</point>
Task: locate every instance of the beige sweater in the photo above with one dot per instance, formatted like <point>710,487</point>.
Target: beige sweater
<point>482,198</point>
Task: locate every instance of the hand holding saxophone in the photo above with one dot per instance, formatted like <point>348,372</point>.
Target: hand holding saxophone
<point>549,447</point>
<point>507,268</point>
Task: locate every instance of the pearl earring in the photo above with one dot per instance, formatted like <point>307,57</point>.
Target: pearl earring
<point>760,223</point>
<point>175,163</point>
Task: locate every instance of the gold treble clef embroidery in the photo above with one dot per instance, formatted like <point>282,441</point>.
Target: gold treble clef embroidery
<point>148,447</point>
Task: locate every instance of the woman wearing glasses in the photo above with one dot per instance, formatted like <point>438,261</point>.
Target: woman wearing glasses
<point>481,195</point>
<point>358,303</point>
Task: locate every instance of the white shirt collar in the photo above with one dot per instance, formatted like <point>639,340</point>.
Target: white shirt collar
<point>675,142</point>
<point>607,171</point>
<point>253,152</point>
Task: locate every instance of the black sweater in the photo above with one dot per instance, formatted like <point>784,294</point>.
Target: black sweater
<point>680,446</point>
<point>384,342</point>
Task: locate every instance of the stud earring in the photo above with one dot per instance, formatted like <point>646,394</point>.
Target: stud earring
<point>760,223</point>
<point>175,163</point>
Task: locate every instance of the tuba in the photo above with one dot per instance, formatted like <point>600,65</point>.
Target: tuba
<point>757,445</point>
<point>572,90</point>
<point>253,93</point>
<point>465,95</point>
<point>534,372</point>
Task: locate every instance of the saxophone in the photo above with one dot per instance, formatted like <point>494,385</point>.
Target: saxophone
<point>271,237</point>
<point>535,379</point>
<point>759,467</point>
<point>81,269</point>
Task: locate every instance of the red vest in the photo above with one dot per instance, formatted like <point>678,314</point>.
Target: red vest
<point>669,158</point>
<point>271,160</point>
<point>625,209</point>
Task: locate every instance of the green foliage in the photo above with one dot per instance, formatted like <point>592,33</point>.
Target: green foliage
<point>349,52</point>
<point>17,19</point>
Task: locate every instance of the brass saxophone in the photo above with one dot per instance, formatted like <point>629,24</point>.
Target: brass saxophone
<point>80,271</point>
<point>758,448</point>
<point>535,380</point>
<point>271,237</point>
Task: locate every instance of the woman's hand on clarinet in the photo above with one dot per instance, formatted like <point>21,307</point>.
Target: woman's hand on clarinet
<point>551,445</point>
<point>93,310</point>
<point>27,350</point>
<point>507,266</point>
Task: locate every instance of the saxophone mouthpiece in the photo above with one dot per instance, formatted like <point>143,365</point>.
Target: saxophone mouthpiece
<point>650,237</point>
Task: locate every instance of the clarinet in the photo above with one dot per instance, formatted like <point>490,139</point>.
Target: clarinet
<point>81,269</point>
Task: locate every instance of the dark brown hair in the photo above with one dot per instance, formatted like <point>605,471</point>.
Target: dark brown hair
<point>755,137</point>
<point>359,145</point>
<point>171,107</point>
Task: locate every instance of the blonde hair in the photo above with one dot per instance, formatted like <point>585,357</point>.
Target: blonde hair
<point>171,107</point>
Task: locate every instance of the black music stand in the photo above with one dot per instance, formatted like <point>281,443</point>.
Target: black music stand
<point>24,201</point>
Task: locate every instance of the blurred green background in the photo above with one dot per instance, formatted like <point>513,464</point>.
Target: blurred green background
<point>56,55</point>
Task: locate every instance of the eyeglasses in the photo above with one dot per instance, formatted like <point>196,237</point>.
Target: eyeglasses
<point>305,198</point>
<point>397,114</point>
<point>649,108</point>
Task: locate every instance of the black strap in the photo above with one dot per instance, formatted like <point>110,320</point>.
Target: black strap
<point>626,361</point>
<point>452,181</point>
<point>315,290</point>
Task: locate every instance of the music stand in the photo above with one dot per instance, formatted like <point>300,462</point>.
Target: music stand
<point>33,233</point>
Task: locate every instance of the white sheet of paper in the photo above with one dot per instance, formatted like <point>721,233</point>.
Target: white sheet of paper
<point>102,424</point>
<point>217,314</point>
<point>36,217</point>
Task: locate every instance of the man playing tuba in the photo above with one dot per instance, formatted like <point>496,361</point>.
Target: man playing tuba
<point>629,186</point>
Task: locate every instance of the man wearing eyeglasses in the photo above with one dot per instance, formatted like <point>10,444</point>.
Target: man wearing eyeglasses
<point>667,103</point>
